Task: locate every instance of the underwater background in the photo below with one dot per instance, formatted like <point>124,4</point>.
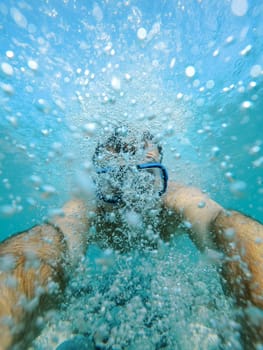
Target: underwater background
<point>191,71</point>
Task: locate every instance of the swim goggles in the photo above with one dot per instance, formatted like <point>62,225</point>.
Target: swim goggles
<point>119,172</point>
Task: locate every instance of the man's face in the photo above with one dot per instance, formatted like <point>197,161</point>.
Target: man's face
<point>123,181</point>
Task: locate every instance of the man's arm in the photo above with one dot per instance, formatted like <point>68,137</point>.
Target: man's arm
<point>74,225</point>
<point>34,267</point>
<point>240,238</point>
<point>195,210</point>
<point>237,236</point>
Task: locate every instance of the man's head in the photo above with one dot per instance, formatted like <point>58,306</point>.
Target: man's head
<point>123,163</point>
<point>127,144</point>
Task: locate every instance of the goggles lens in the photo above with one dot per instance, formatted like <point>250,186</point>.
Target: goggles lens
<point>115,184</point>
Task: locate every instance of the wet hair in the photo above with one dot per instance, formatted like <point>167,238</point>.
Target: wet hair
<point>123,140</point>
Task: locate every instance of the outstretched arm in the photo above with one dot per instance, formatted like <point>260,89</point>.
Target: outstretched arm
<point>195,209</point>
<point>240,238</point>
<point>74,225</point>
<point>34,267</point>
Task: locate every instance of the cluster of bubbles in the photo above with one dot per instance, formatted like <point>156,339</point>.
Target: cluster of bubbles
<point>145,300</point>
<point>148,299</point>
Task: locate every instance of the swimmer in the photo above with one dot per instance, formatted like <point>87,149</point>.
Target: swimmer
<point>36,264</point>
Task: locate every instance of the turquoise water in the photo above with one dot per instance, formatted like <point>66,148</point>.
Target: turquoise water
<point>189,70</point>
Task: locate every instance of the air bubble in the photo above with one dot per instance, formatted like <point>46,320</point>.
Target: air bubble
<point>48,191</point>
<point>256,71</point>
<point>238,188</point>
<point>210,84</point>
<point>88,166</point>
<point>97,13</point>
<point>31,201</point>
<point>32,65</point>
<point>127,76</point>
<point>7,68</point>
<point>196,83</point>
<point>258,162</point>
<point>12,120</point>
<point>252,84</point>
<point>85,185</point>
<point>215,151</point>
<point>190,71</point>
<point>187,224</point>
<point>172,63</point>
<point>45,132</point>
<point>116,83</point>
<point>36,180</point>
<point>133,219</point>
<point>90,129</point>
<point>229,39</point>
<point>246,104</point>
<point>57,146</point>
<point>56,212</point>
<point>7,262</point>
<point>216,53</point>
<point>42,105</point>
<point>7,210</point>
<point>108,47</point>
<point>201,204</point>
<point>142,33</point>
<point>241,89</point>
<point>239,7</point>
<point>10,54</point>
<point>255,149</point>
<point>155,63</point>
<point>223,165</point>
<point>229,233</point>
<point>18,17</point>
<point>246,50</point>
<point>7,88</point>
<point>229,176</point>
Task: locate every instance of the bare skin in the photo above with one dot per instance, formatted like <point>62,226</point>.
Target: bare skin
<point>230,232</point>
<point>239,238</point>
<point>54,250</point>
<point>35,265</point>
